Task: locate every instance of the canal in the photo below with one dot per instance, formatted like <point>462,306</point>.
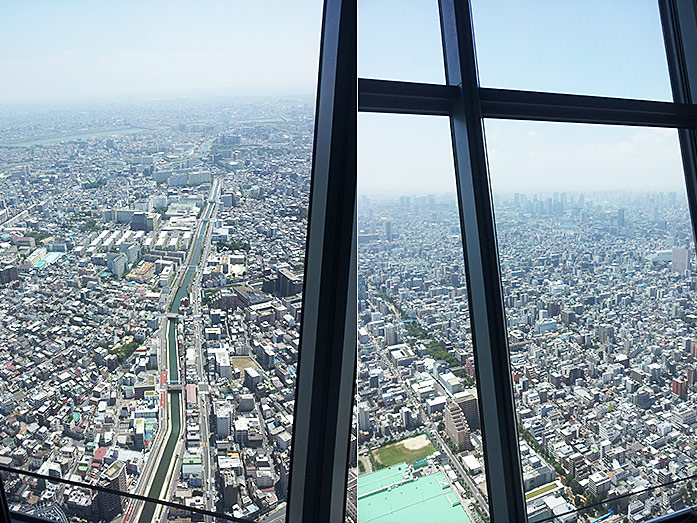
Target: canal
<point>174,397</point>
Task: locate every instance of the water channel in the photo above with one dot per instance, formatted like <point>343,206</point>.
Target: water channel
<point>174,396</point>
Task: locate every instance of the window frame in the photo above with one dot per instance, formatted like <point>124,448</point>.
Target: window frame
<point>466,103</point>
<point>328,333</point>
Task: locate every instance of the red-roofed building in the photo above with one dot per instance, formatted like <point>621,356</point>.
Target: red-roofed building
<point>190,396</point>
<point>99,456</point>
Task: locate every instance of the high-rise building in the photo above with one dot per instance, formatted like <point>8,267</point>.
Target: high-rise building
<point>467,401</point>
<point>8,273</point>
<point>691,376</point>
<point>364,416</point>
<point>114,477</point>
<point>145,221</point>
<point>456,426</point>
<point>389,234</point>
<point>289,282</point>
<point>223,420</point>
<point>116,262</point>
<point>680,260</point>
<point>229,200</point>
<point>251,378</point>
<point>407,418</point>
<point>679,387</point>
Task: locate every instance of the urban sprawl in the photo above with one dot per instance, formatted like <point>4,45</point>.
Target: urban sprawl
<point>151,270</point>
<point>151,262</point>
<point>600,298</point>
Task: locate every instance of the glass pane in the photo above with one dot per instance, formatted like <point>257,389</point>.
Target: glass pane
<point>152,236</point>
<point>400,40</point>
<point>641,506</point>
<point>597,261</point>
<point>60,502</point>
<point>419,452</point>
<point>592,47</point>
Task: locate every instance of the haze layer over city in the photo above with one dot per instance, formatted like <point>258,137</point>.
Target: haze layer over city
<point>155,164</point>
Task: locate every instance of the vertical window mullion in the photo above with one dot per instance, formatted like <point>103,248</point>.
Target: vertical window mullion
<point>501,451</point>
<point>327,356</point>
<point>679,21</point>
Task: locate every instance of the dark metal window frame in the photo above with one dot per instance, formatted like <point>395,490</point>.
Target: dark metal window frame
<point>467,104</point>
<point>327,356</point>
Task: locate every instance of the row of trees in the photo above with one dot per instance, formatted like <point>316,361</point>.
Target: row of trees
<point>89,226</point>
<point>389,300</point>
<point>233,246</point>
<point>122,352</point>
<point>438,352</point>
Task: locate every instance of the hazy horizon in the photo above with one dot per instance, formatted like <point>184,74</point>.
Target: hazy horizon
<point>107,101</point>
<point>590,193</point>
<point>79,50</point>
<point>78,53</point>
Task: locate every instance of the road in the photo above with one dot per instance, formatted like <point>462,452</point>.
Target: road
<point>208,480</point>
<point>474,490</point>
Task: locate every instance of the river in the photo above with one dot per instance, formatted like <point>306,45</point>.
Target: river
<point>71,136</point>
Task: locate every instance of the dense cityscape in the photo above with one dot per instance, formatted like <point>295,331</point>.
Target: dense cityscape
<point>151,259</point>
<point>600,302</point>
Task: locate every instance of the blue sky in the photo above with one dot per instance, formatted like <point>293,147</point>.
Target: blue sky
<point>596,47</point>
<point>76,50</point>
<point>599,47</point>
<point>86,49</point>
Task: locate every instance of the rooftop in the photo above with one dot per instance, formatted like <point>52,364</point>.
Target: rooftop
<point>394,494</point>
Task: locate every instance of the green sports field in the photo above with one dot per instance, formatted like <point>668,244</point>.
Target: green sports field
<point>401,453</point>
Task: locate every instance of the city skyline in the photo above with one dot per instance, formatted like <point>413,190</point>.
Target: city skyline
<point>156,167</point>
<point>598,298</point>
